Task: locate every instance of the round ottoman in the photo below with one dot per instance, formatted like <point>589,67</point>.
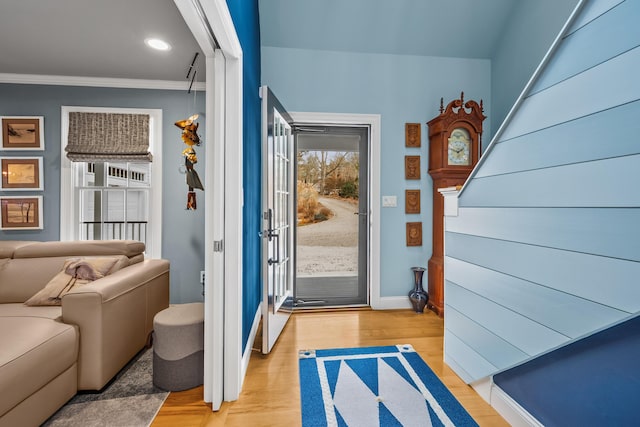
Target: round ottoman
<point>178,347</point>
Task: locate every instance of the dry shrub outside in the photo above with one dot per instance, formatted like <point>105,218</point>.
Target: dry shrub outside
<point>309,209</point>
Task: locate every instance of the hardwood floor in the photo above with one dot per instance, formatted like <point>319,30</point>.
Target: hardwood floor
<point>271,396</point>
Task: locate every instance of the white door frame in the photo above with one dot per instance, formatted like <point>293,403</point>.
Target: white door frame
<point>223,202</point>
<point>373,121</point>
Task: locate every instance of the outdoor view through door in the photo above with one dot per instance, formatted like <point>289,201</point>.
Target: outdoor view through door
<point>332,216</point>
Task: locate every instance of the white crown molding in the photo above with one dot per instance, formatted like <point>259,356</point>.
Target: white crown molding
<point>38,79</point>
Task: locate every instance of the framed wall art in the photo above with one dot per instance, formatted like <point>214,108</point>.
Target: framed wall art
<point>21,213</point>
<point>22,133</point>
<point>412,167</point>
<point>414,234</point>
<point>412,201</point>
<point>412,135</point>
<point>22,173</point>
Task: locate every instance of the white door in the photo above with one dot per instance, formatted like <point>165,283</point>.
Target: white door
<point>277,218</point>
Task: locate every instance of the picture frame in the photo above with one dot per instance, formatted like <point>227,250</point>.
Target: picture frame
<point>412,201</point>
<point>21,212</point>
<point>412,167</point>
<point>21,173</point>
<point>412,135</point>
<point>414,234</point>
<point>22,133</point>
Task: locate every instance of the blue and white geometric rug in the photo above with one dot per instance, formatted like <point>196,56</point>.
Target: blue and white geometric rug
<point>374,386</point>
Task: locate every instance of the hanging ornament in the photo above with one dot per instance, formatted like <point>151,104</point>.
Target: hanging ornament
<point>190,137</point>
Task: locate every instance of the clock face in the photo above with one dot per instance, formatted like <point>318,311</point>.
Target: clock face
<point>459,152</point>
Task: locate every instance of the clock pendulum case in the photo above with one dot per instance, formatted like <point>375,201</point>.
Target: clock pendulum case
<point>455,138</point>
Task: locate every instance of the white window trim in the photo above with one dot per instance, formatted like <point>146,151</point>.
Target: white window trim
<point>68,195</point>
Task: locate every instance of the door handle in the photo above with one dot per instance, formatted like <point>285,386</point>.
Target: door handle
<point>276,236</point>
<point>271,233</point>
<point>361,213</point>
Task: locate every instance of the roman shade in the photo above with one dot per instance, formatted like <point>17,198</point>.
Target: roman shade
<point>102,137</point>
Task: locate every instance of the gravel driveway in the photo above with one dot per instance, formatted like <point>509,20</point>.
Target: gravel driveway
<point>330,246</point>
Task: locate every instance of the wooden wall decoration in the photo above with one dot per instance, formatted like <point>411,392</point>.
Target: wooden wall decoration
<point>412,201</point>
<point>414,234</point>
<point>412,167</point>
<point>412,135</point>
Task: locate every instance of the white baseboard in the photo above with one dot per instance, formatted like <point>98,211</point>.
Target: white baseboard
<point>511,410</point>
<point>483,388</point>
<point>248,348</point>
<point>390,303</point>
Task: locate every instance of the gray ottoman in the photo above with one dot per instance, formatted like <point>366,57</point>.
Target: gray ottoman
<point>178,347</point>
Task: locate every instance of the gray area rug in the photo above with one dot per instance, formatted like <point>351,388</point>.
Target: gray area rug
<point>129,400</point>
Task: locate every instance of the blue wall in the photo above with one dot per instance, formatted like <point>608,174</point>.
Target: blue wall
<point>530,32</point>
<point>245,18</point>
<point>182,230</point>
<point>401,89</point>
<point>546,247</point>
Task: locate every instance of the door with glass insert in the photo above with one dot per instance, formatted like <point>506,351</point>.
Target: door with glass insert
<point>277,219</point>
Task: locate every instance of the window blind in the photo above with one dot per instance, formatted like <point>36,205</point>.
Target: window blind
<point>102,137</point>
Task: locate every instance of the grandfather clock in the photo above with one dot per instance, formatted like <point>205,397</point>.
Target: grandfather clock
<point>454,149</point>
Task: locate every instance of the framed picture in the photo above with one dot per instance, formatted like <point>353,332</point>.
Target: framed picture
<point>412,167</point>
<point>22,133</point>
<point>21,173</point>
<point>414,234</point>
<point>412,201</point>
<point>21,213</point>
<point>412,134</point>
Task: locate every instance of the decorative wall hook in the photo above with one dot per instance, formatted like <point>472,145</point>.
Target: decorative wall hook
<point>190,137</point>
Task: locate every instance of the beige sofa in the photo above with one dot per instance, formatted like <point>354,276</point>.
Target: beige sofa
<point>49,352</point>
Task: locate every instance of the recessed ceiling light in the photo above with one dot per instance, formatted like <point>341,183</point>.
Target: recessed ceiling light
<point>158,44</point>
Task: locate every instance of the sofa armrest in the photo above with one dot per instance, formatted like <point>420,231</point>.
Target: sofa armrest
<point>115,317</point>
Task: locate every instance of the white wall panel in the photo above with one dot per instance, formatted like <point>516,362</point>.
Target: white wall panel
<point>607,281</point>
<point>457,352</point>
<point>607,134</point>
<point>494,349</point>
<point>608,232</point>
<point>605,86</point>
<point>566,313</point>
<point>523,333</point>
<point>591,11</point>
<point>592,184</point>
<point>592,45</point>
<point>546,245</point>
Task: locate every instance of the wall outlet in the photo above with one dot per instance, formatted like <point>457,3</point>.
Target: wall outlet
<point>202,276</point>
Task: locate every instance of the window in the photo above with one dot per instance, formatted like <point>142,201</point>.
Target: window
<point>105,200</point>
<point>113,200</point>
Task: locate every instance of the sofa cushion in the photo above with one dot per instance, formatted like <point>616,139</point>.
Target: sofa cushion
<point>129,248</point>
<point>76,272</point>
<point>18,309</point>
<point>19,280</point>
<point>8,247</point>
<point>33,352</point>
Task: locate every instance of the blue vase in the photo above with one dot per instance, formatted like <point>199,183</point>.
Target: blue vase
<point>419,298</point>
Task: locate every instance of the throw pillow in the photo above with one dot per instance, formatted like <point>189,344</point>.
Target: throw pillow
<point>75,272</point>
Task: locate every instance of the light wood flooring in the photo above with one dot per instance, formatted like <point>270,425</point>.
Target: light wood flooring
<point>271,396</point>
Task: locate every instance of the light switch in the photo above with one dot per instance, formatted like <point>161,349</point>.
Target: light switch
<point>389,201</point>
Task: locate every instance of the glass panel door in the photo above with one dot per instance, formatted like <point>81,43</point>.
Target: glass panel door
<point>332,216</point>
<point>277,235</point>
